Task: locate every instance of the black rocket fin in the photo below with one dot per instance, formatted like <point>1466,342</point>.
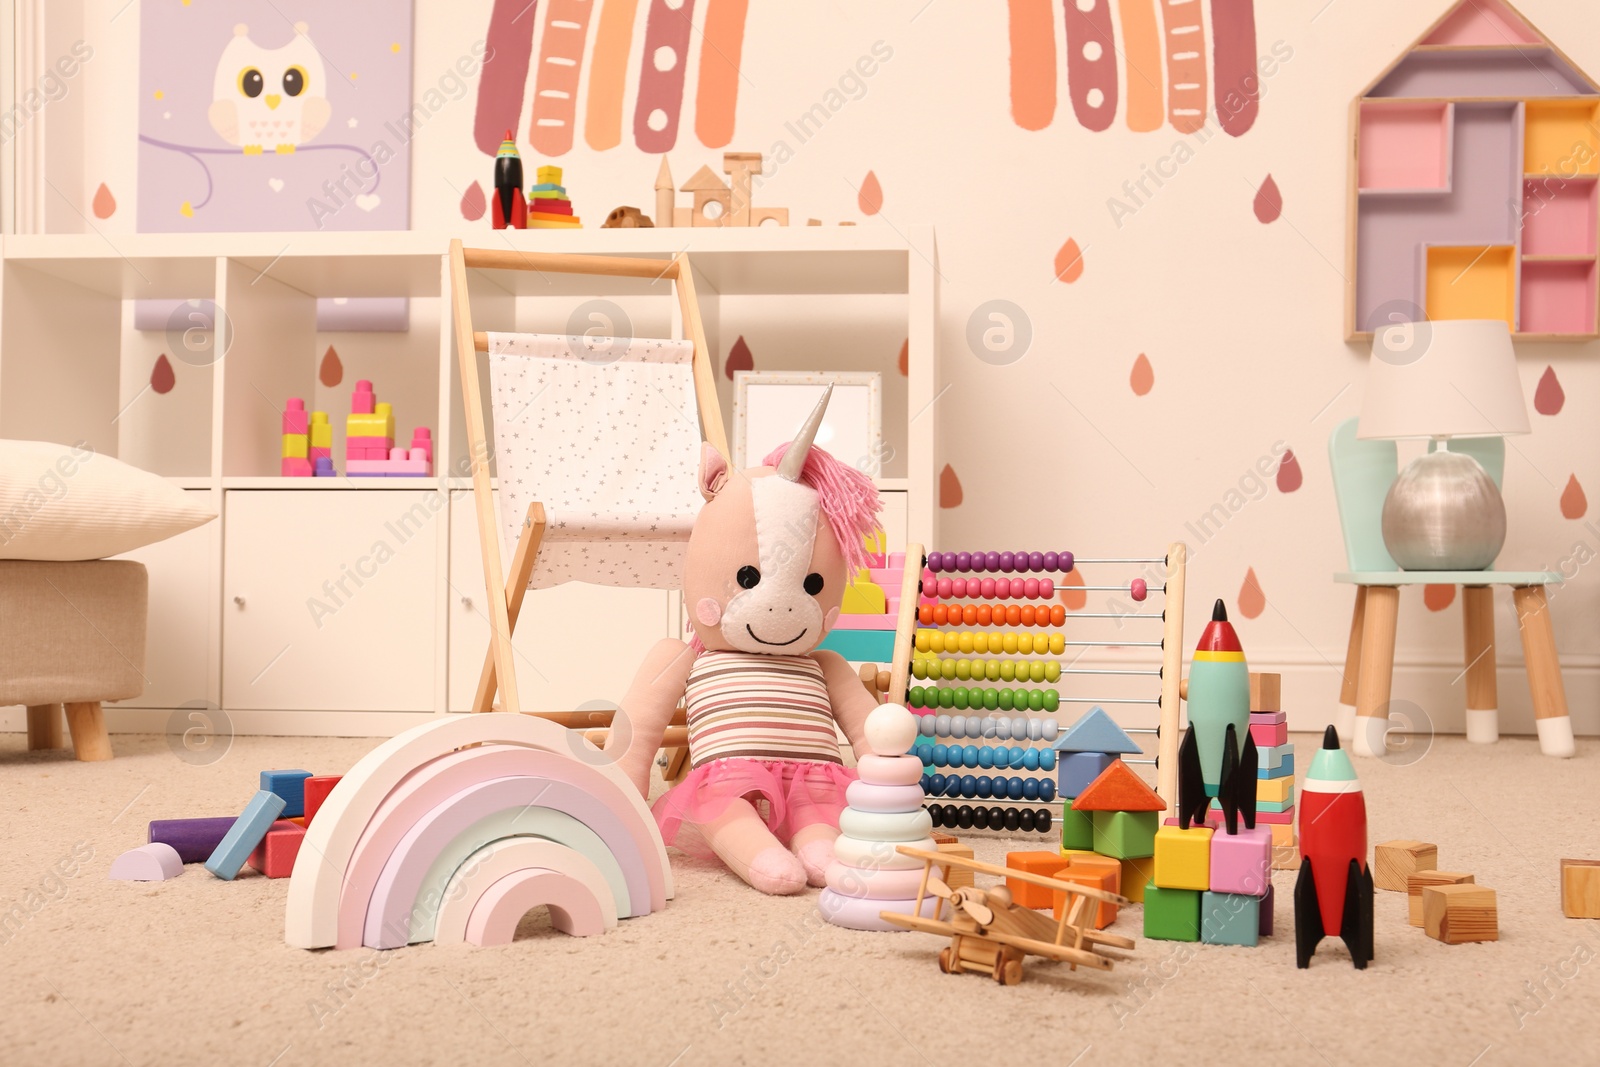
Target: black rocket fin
<point>1249,762</point>
<point>1228,780</point>
<point>1307,916</point>
<point>1191,783</point>
<point>1355,927</point>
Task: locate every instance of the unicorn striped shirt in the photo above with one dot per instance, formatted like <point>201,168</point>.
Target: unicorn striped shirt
<point>759,707</point>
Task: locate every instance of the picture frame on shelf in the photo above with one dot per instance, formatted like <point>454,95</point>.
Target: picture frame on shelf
<point>766,402</point>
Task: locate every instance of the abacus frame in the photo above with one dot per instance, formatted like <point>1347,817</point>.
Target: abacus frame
<point>1169,726</point>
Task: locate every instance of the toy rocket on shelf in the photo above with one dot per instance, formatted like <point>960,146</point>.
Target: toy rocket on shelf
<point>510,210</point>
<point>1218,755</point>
<point>1333,895</point>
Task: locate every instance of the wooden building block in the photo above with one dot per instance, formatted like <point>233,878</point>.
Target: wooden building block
<point>1286,857</point>
<point>1097,872</point>
<point>1230,919</point>
<point>1275,790</point>
<point>1077,828</point>
<point>317,788</point>
<point>1394,861</point>
<point>1026,894</point>
<point>1124,834</point>
<point>955,877</point>
<point>1416,883</point>
<point>1136,874</point>
<point>1171,914</point>
<point>275,856</point>
<point>244,835</point>
<point>1119,789</point>
<point>291,786</point>
<point>1459,913</point>
<point>1241,863</point>
<point>1580,889</point>
<point>1183,859</point>
<point>1266,692</point>
<point>1282,834</point>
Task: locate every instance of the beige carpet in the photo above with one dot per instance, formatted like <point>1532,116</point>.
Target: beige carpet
<point>195,970</point>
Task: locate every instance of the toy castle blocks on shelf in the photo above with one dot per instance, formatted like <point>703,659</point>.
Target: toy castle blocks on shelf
<point>1456,914</point>
<point>369,448</point>
<point>1395,861</point>
<point>1420,880</point>
<point>295,455</point>
<point>1580,889</point>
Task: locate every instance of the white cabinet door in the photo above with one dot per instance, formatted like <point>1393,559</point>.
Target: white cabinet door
<point>576,644</point>
<point>329,599</point>
<point>178,640</point>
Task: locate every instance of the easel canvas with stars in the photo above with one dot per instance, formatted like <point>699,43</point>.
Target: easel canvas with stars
<point>277,115</point>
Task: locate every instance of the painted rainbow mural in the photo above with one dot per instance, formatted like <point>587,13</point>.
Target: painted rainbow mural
<point>452,831</point>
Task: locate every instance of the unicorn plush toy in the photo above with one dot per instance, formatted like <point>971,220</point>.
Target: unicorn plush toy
<point>768,560</point>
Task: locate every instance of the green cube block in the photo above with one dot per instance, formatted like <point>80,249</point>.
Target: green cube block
<point>1125,835</point>
<point>1171,914</point>
<point>1077,828</point>
<point>1229,918</point>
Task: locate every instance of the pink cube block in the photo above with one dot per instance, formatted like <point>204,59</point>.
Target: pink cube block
<point>295,418</point>
<point>362,401</point>
<point>294,467</point>
<point>1241,862</point>
<point>1267,718</point>
<point>319,453</point>
<point>1270,735</point>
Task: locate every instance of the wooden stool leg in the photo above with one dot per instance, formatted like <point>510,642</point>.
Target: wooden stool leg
<point>1483,692</point>
<point>88,725</point>
<point>1346,721</point>
<point>44,726</point>
<point>1377,670</point>
<point>1544,671</point>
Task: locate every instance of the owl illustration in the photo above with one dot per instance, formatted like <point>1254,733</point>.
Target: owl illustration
<point>269,99</point>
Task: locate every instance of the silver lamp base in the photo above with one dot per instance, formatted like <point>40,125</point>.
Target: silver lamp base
<point>1444,513</point>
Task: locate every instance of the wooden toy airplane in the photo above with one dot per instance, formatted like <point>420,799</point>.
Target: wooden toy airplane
<point>989,934</point>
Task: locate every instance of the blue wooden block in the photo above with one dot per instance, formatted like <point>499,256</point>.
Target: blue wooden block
<point>1282,770</point>
<point>1075,770</point>
<point>1273,755</point>
<point>291,786</point>
<point>1230,919</point>
<point>248,831</point>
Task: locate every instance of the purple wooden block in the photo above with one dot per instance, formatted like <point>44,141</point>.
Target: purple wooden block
<point>1265,911</point>
<point>194,839</point>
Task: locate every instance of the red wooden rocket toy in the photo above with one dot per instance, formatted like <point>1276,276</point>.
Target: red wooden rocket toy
<point>1333,895</point>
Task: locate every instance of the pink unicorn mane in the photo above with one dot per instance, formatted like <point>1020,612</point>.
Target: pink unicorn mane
<point>849,501</point>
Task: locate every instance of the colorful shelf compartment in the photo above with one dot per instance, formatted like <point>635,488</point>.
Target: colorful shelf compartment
<point>1560,216</point>
<point>1558,296</point>
<point>1405,147</point>
<point>1470,282</point>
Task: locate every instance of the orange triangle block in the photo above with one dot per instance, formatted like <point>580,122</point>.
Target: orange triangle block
<point>1118,789</point>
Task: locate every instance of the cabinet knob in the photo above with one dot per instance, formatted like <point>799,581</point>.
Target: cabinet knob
<point>239,600</point>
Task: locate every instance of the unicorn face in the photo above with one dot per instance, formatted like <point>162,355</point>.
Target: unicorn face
<point>764,572</point>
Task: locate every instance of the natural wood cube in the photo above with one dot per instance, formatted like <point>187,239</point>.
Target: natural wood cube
<point>953,876</point>
<point>1394,861</point>
<point>1456,914</point>
<point>1286,857</point>
<point>1417,882</point>
<point>1266,692</point>
<point>1580,889</point>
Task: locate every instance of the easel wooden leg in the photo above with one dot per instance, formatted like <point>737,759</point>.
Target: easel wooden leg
<point>516,588</point>
<point>44,726</point>
<point>87,723</point>
<point>1373,685</point>
<point>1544,671</point>
<point>1346,722</point>
<point>1483,691</point>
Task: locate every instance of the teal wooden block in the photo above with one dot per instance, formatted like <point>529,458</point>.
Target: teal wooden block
<point>291,786</point>
<point>247,832</point>
<point>1077,828</point>
<point>1282,770</point>
<point>1125,835</point>
<point>1171,914</point>
<point>1229,919</point>
<point>861,646</point>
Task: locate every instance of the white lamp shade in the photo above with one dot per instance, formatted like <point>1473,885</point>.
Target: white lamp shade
<point>1454,378</point>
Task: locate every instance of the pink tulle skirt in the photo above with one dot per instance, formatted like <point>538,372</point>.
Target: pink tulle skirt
<point>798,793</point>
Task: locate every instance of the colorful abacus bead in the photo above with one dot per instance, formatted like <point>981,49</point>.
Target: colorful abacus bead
<point>1138,589</point>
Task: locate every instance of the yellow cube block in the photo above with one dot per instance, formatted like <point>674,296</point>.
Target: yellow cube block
<point>1136,874</point>
<point>549,175</point>
<point>294,446</point>
<point>1283,834</point>
<point>1274,790</point>
<point>1183,858</point>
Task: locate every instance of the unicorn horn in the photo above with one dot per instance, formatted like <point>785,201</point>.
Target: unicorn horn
<point>795,458</point>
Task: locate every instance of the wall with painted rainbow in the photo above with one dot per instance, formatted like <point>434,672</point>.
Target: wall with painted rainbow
<point>453,831</point>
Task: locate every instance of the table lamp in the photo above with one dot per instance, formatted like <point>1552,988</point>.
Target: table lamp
<point>1439,381</point>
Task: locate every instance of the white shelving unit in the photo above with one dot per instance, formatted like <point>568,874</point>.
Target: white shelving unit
<point>355,606</point>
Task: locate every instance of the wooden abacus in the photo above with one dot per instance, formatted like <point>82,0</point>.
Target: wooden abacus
<point>1023,644</point>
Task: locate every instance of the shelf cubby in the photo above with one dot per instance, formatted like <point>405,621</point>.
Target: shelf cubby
<point>1558,296</point>
<point>1485,24</point>
<point>1559,216</point>
<point>1405,147</point>
<point>1562,137</point>
<point>1471,282</point>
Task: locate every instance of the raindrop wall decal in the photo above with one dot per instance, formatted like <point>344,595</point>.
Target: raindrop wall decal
<point>1268,204</point>
<point>1143,377</point>
<point>1289,475</point>
<point>1069,262</point>
<point>1438,597</point>
<point>1549,397</point>
<point>1252,600</point>
<point>739,358</point>
<point>1073,596</point>
<point>1574,504</point>
<point>331,373</point>
<point>105,205</point>
<point>950,494</point>
<point>161,377</point>
<point>904,362</point>
<point>473,203</point>
<point>870,198</point>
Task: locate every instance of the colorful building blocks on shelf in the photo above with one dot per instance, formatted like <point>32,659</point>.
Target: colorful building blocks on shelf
<point>1241,863</point>
<point>1417,881</point>
<point>1125,834</point>
<point>1183,857</point>
<point>155,862</point>
<point>1395,861</point>
<point>1230,919</point>
<point>1456,914</point>
<point>1048,864</point>
<point>1580,889</point>
<point>291,786</point>
<point>244,835</point>
<point>1171,914</point>
<point>275,856</point>
<point>193,839</point>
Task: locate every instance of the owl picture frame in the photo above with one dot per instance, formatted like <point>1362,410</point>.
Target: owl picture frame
<point>275,115</point>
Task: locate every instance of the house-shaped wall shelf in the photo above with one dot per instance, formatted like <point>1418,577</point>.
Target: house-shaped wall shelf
<point>1473,182</point>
